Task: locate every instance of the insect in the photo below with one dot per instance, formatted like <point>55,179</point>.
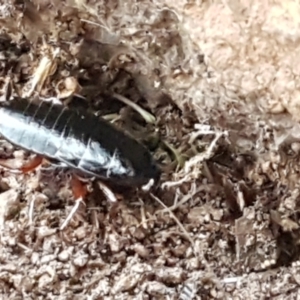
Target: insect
<point>81,141</point>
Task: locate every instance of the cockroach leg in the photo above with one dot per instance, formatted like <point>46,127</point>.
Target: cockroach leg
<point>108,193</point>
<point>148,186</point>
<point>28,166</point>
<point>79,192</point>
<point>32,164</point>
<point>78,188</point>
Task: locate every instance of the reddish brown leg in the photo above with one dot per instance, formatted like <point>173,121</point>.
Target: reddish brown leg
<point>28,166</point>
<point>79,192</point>
<point>32,164</point>
<point>78,188</point>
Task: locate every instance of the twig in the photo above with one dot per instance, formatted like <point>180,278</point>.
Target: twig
<point>71,214</point>
<point>175,219</point>
<point>149,118</point>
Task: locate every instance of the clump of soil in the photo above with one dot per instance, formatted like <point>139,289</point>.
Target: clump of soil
<point>219,84</point>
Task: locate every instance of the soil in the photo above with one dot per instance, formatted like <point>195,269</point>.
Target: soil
<point>219,84</point>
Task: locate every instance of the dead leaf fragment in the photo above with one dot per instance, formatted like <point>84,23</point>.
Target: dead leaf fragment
<point>9,205</point>
<point>67,87</point>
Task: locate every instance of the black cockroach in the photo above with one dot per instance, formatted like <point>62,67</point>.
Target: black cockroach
<point>82,141</point>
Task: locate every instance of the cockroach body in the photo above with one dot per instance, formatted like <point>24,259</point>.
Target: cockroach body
<point>80,140</point>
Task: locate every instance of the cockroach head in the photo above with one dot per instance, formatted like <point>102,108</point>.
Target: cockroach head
<point>146,173</point>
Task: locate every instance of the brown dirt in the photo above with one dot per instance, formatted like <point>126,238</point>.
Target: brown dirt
<point>222,80</point>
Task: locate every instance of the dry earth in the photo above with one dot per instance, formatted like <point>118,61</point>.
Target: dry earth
<point>222,80</point>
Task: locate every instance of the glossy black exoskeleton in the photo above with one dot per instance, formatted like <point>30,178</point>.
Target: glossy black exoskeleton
<point>82,141</point>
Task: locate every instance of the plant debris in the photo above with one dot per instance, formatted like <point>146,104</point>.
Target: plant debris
<point>218,83</point>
